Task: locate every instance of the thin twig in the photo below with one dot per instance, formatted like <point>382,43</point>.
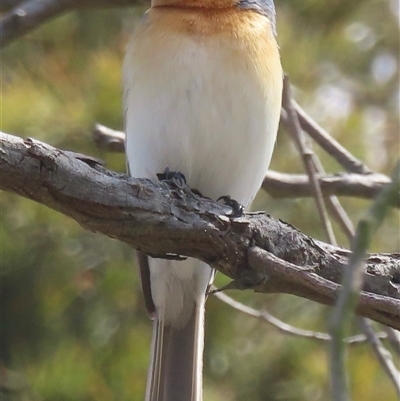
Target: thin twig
<point>352,284</point>
<point>30,14</point>
<point>306,155</point>
<point>383,355</point>
<point>109,138</point>
<point>329,144</point>
<point>6,5</point>
<point>394,338</point>
<point>339,214</point>
<point>27,16</point>
<point>283,185</point>
<point>284,327</point>
<point>334,206</point>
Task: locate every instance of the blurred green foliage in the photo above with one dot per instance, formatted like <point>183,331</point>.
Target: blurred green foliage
<point>73,325</point>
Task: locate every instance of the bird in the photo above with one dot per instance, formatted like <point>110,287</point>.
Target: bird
<point>202,98</point>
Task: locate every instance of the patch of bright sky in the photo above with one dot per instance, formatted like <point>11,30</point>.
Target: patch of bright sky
<point>383,67</point>
<point>334,100</point>
<point>374,121</point>
<point>361,35</point>
<point>394,6</point>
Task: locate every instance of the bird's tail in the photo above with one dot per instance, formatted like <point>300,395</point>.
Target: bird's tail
<point>175,372</point>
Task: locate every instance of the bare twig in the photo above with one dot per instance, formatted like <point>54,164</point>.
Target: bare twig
<point>6,5</point>
<point>394,338</point>
<point>334,206</point>
<point>341,216</point>
<point>284,327</point>
<point>267,317</point>
<point>30,14</point>
<point>352,283</point>
<point>306,155</point>
<point>282,185</point>
<point>329,144</point>
<point>383,355</point>
<point>108,138</point>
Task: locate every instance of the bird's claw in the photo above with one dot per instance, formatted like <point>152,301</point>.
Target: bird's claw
<point>237,208</point>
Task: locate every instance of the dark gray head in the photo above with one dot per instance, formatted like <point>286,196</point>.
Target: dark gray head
<point>264,7</point>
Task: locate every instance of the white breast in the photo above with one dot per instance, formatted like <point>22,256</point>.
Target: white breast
<point>194,107</point>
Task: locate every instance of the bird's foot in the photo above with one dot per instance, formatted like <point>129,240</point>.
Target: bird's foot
<point>177,179</point>
<point>237,208</point>
<point>172,177</point>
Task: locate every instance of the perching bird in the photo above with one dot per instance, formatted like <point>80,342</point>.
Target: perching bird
<point>203,85</point>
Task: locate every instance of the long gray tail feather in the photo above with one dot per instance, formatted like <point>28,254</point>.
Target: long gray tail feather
<point>176,360</point>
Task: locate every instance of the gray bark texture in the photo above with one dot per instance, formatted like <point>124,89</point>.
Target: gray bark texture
<point>167,220</point>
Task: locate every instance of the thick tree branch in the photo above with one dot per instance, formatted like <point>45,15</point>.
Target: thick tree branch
<point>255,250</point>
<point>27,15</point>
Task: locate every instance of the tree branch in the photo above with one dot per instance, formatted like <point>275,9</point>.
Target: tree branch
<point>383,355</point>
<point>255,250</point>
<point>306,157</point>
<point>394,338</point>
<point>6,5</point>
<point>28,15</point>
<point>352,283</point>
<point>281,185</point>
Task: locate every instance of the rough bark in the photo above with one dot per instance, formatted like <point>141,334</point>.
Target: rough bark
<point>169,221</point>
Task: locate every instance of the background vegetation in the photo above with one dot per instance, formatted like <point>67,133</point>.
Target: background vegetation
<point>73,325</point>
